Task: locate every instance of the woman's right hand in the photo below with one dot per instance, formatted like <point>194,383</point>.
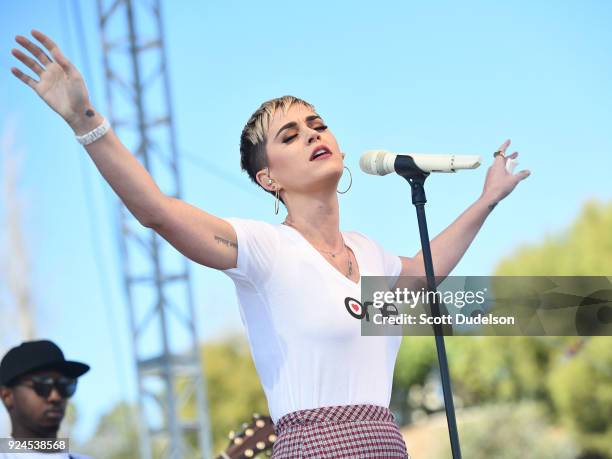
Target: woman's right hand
<point>60,84</point>
<point>203,237</point>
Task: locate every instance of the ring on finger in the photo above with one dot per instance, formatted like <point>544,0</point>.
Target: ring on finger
<point>498,153</point>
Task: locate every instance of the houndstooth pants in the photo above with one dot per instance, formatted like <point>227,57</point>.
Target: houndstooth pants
<point>350,431</point>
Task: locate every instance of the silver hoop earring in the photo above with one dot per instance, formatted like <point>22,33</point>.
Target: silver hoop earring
<point>276,203</point>
<point>350,183</point>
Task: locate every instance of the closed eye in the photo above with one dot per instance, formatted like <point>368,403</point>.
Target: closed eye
<point>290,138</point>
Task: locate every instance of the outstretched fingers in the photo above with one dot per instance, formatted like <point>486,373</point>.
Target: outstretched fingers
<point>504,146</point>
<point>522,175</point>
<point>36,51</point>
<point>28,61</point>
<point>23,77</point>
<point>53,49</point>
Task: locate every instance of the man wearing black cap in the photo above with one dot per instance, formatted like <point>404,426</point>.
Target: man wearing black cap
<point>36,382</point>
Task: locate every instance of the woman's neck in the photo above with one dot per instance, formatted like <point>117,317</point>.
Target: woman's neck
<point>317,218</point>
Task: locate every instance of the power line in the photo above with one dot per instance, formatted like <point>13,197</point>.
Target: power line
<point>218,172</point>
<point>94,235</point>
<point>173,366</point>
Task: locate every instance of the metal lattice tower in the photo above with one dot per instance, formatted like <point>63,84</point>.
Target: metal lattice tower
<point>157,279</point>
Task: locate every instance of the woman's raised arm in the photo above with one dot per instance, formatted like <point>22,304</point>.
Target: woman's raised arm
<point>204,238</point>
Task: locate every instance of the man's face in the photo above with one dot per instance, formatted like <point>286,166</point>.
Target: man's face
<point>36,413</point>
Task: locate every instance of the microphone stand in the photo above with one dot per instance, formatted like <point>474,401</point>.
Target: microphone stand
<point>406,167</point>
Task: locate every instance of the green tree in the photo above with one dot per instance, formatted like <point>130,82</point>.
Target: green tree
<point>116,435</point>
<point>415,361</point>
<point>510,431</point>
<point>416,357</point>
<point>234,390</point>
<point>491,369</point>
<point>581,388</point>
<point>585,249</point>
<point>578,378</point>
<point>569,376</point>
<point>234,394</point>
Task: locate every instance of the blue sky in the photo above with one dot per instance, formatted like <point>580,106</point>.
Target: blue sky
<point>435,77</point>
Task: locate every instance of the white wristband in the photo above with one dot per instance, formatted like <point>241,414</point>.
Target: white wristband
<point>95,134</point>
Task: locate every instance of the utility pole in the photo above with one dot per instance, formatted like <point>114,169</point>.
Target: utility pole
<point>156,277</point>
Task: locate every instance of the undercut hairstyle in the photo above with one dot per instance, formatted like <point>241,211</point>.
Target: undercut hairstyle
<point>253,156</point>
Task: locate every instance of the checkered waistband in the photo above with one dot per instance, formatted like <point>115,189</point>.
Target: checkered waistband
<point>340,413</point>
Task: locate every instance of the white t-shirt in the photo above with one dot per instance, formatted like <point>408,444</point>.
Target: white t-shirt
<point>307,349</point>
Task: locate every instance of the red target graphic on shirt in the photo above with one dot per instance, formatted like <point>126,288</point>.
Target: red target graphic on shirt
<point>354,307</point>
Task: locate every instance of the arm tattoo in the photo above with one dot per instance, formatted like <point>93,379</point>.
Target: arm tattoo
<point>90,112</point>
<point>492,206</point>
<point>225,242</point>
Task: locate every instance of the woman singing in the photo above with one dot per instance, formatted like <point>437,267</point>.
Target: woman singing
<point>328,388</point>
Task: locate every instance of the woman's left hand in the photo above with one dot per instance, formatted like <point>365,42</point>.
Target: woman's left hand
<point>499,182</point>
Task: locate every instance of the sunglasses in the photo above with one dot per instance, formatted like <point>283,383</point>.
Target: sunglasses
<point>43,385</point>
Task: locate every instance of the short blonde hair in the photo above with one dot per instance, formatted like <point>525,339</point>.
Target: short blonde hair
<point>253,156</point>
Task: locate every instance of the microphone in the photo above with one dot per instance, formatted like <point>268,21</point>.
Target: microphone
<point>381,162</point>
